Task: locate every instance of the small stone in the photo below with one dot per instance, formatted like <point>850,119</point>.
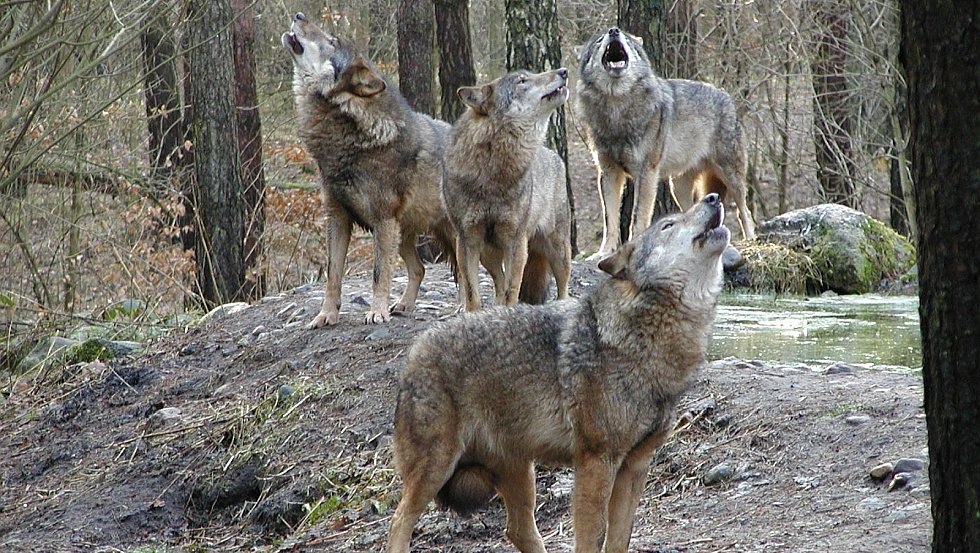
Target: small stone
<point>258,330</point>
<point>900,480</point>
<point>285,391</point>
<point>719,473</point>
<point>871,504</point>
<point>167,416</point>
<point>359,300</point>
<point>839,368</point>
<point>723,421</point>
<point>882,471</point>
<point>382,332</point>
<point>857,420</point>
<point>909,465</point>
<point>286,310</point>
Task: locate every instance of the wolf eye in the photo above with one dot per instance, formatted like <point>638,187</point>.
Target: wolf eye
<point>666,225</point>
<point>521,79</point>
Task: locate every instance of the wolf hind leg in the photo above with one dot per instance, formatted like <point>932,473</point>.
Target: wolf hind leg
<point>534,284</point>
<point>734,183</point>
<point>646,182</point>
<point>409,253</point>
<point>386,236</point>
<point>516,488</point>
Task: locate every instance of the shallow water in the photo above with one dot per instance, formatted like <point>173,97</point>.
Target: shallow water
<point>865,330</point>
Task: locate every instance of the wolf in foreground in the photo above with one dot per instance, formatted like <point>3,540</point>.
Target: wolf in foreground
<point>591,383</point>
<point>646,127</point>
<point>505,191</point>
<point>380,164</point>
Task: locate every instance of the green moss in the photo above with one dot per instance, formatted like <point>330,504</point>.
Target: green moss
<point>88,351</point>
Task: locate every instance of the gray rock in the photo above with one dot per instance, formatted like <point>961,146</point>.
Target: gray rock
<point>731,258</point>
<point>882,471</point>
<point>909,465</point>
<point>900,480</point>
<point>46,353</point>
<point>379,334</point>
<point>839,368</point>
<point>851,251</point>
<point>224,311</point>
<point>719,473</point>
<point>168,416</point>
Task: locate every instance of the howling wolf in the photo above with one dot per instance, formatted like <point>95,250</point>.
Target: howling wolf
<point>647,128</point>
<point>381,164</point>
<point>505,192</point>
<point>591,383</point>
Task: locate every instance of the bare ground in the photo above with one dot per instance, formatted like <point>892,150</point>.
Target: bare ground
<point>249,432</point>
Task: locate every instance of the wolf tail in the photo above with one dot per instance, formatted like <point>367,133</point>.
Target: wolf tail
<point>470,487</point>
<point>535,282</point>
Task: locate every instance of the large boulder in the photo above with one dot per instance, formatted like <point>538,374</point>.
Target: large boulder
<point>847,251</point>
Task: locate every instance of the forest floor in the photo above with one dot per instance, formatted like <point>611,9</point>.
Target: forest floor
<point>248,432</point>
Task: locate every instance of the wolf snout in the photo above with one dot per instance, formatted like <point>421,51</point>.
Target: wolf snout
<point>614,32</point>
<point>563,73</point>
<point>712,199</point>
<point>300,16</point>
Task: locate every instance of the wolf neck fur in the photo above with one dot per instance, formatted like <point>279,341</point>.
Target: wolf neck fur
<point>503,151</point>
<point>638,326</point>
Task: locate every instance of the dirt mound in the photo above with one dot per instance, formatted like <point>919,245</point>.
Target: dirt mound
<point>251,432</point>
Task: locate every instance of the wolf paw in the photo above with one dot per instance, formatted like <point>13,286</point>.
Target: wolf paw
<point>400,307</point>
<point>374,317</point>
<point>324,319</point>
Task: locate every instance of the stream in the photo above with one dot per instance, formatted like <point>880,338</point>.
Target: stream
<point>867,330</point>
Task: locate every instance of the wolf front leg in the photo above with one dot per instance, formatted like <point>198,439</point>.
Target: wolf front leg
<point>646,182</point>
<point>515,258</point>
<point>338,240</point>
<point>469,245</point>
<point>626,492</point>
<point>611,180</point>
<point>386,237</point>
<point>594,475</point>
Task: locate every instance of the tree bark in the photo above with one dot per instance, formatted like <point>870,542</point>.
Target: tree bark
<point>833,120</point>
<point>533,43</point>
<point>249,130</point>
<point>416,33</point>
<point>455,53</point>
<point>219,228</point>
<point>941,52</point>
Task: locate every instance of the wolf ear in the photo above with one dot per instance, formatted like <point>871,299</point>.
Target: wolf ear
<point>617,263</point>
<point>365,81</point>
<point>476,97</point>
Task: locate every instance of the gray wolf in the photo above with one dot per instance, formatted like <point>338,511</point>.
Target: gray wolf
<point>648,128</point>
<point>591,383</point>
<point>504,191</point>
<point>381,164</point>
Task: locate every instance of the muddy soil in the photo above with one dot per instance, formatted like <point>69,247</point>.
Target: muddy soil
<point>249,432</point>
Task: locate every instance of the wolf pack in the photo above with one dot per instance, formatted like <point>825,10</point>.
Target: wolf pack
<point>588,382</point>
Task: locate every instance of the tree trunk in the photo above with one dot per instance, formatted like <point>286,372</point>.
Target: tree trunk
<point>533,43</point>
<point>218,189</point>
<point>941,53</point>
<point>250,148</point>
<point>647,20</point>
<point>455,53</point>
<point>416,33</point>
<point>682,41</point>
<point>833,120</point>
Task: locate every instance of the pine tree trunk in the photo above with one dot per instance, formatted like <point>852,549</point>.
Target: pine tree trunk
<point>533,43</point>
<point>416,33</point>
<point>941,54</point>
<point>249,147</point>
<point>455,53</point>
<point>218,188</point>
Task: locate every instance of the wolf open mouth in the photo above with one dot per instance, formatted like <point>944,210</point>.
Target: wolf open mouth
<point>290,40</point>
<point>615,57</point>
<point>555,93</point>
<point>713,228</point>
